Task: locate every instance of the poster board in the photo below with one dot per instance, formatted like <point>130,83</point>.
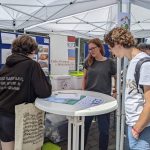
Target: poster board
<point>6,40</point>
<point>124,20</point>
<point>43,56</point>
<point>71,53</point>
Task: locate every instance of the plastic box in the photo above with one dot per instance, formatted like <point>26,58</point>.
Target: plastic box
<point>61,82</point>
<point>76,80</point>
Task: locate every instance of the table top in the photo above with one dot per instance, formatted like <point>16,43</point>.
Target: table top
<point>109,104</point>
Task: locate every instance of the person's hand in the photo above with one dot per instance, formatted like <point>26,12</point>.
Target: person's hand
<point>114,94</point>
<point>135,133</point>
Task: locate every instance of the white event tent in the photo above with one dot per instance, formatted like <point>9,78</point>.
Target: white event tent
<point>81,18</point>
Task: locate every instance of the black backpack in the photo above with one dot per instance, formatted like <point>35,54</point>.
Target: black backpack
<point>137,71</point>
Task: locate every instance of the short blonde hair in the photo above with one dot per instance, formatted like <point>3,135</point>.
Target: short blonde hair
<point>120,36</point>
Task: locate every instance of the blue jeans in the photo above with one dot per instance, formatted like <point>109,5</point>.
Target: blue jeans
<point>103,126</point>
<point>143,143</point>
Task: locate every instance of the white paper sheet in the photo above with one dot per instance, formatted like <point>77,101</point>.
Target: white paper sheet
<point>7,38</point>
<point>68,96</point>
<point>5,53</point>
<point>89,101</point>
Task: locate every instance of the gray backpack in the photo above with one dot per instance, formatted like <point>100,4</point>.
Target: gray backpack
<point>137,71</point>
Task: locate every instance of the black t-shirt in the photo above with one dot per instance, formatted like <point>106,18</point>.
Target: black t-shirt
<point>99,76</point>
<point>21,80</point>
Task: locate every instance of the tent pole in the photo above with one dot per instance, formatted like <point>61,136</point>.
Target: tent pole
<point>123,107</point>
<point>118,91</point>
<point>14,25</point>
<point>78,59</point>
<point>128,10</point>
<point>119,103</point>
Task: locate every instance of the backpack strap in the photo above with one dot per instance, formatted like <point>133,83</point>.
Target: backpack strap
<point>137,71</point>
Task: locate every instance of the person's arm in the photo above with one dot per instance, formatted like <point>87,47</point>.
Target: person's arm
<point>144,118</point>
<point>115,86</point>
<point>42,87</point>
<point>84,79</point>
<point>114,72</point>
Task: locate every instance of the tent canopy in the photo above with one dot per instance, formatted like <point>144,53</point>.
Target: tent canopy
<point>18,14</point>
<point>83,18</point>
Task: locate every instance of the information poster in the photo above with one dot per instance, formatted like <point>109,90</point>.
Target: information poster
<point>71,53</point>
<point>124,20</point>
<point>4,54</point>
<point>43,56</point>
<point>7,38</point>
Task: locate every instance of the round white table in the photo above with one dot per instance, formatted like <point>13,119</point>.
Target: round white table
<point>76,113</point>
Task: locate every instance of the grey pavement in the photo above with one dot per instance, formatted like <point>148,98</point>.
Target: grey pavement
<point>92,143</point>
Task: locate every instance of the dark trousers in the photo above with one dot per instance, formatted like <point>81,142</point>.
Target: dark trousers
<point>103,126</point>
<point>7,127</point>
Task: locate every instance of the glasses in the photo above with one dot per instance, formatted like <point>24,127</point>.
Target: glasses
<point>90,49</point>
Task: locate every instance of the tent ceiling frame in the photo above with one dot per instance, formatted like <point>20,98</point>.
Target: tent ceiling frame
<point>53,31</point>
<point>89,23</point>
<point>8,13</point>
<point>136,31</point>
<point>80,22</point>
<point>22,12</point>
<point>41,13</point>
<point>55,18</point>
<point>31,17</point>
<point>41,2</point>
<point>137,21</point>
<point>93,30</point>
<point>61,10</point>
<point>83,34</point>
<point>108,26</point>
<point>54,5</point>
<point>26,5</point>
<point>143,21</point>
<point>20,5</point>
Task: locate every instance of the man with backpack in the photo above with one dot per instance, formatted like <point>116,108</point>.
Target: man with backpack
<point>137,94</point>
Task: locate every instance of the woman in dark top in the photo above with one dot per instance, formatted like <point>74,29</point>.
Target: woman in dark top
<point>98,72</point>
<point>21,80</point>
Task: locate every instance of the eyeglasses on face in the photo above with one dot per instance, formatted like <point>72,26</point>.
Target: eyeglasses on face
<point>92,48</point>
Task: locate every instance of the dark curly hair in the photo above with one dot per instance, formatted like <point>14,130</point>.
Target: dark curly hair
<point>120,36</point>
<point>24,44</point>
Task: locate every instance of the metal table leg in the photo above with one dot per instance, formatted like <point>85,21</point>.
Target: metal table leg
<point>74,123</point>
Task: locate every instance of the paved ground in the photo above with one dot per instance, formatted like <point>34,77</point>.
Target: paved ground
<point>92,143</point>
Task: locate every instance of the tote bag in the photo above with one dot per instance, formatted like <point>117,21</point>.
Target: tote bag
<point>29,127</point>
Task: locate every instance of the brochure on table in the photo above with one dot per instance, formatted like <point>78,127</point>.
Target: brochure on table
<point>75,99</point>
<point>42,57</point>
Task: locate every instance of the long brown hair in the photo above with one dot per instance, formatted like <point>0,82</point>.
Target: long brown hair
<point>98,43</point>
